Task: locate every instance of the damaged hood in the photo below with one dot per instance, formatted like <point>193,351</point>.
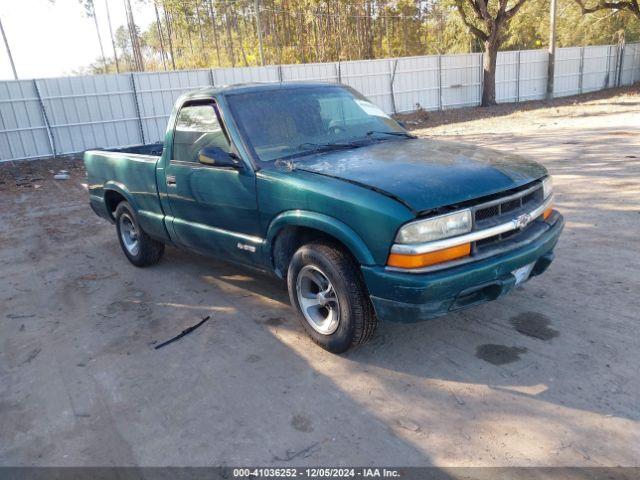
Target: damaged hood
<point>425,174</point>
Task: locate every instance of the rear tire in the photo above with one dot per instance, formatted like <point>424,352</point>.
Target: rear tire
<point>326,287</point>
<point>138,247</point>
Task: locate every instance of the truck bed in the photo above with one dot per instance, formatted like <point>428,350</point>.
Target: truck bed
<point>129,173</point>
<point>153,149</point>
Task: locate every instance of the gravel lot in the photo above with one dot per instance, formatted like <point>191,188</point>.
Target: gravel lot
<point>546,376</point>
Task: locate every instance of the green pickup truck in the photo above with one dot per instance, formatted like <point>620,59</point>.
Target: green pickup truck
<point>315,184</point>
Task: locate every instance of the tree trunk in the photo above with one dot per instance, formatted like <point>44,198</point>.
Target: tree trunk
<point>159,27</point>
<point>301,36</point>
<point>104,60</point>
<point>489,71</point>
<point>339,32</point>
<point>215,31</point>
<point>201,33</point>
<point>324,43</point>
<point>133,32</point>
<point>167,21</point>
<point>229,36</point>
<point>314,23</point>
<point>188,28</point>
<point>113,42</point>
<point>240,40</point>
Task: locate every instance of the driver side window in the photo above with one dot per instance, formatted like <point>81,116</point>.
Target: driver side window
<point>197,126</point>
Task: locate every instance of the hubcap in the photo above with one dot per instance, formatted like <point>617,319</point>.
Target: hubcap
<point>129,234</point>
<point>318,300</point>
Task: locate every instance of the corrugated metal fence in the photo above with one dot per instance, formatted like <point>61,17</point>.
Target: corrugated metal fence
<point>57,116</point>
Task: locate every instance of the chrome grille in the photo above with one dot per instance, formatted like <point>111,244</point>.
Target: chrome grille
<point>486,213</point>
<point>504,209</point>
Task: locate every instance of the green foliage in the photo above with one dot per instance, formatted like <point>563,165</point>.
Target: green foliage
<point>573,28</point>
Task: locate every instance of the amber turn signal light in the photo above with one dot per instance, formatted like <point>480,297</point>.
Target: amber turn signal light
<point>547,213</point>
<point>425,259</point>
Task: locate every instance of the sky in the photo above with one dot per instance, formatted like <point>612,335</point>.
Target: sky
<point>54,39</point>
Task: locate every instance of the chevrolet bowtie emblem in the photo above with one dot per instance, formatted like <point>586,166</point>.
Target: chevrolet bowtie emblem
<point>522,221</point>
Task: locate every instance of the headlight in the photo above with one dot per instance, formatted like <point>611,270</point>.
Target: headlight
<point>547,187</point>
<point>436,228</point>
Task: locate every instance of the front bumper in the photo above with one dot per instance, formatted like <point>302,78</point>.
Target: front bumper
<point>409,297</point>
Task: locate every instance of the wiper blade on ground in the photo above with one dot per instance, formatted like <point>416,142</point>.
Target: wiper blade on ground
<point>396,134</point>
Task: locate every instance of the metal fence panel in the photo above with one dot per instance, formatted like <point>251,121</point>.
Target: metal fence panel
<point>372,78</point>
<point>416,84</point>
<point>596,65</point>
<point>507,75</point>
<point>23,132</point>
<point>630,64</point>
<point>229,76</point>
<point>316,72</point>
<point>613,66</point>
<point>157,92</point>
<point>461,80</point>
<point>119,110</point>
<point>90,111</point>
<point>636,62</point>
<point>533,74</point>
<point>567,71</point>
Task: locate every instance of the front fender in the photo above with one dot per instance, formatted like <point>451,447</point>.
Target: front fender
<point>326,224</point>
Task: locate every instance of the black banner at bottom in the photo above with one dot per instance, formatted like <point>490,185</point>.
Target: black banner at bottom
<point>399,473</point>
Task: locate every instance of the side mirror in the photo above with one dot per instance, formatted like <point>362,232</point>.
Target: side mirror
<point>217,157</point>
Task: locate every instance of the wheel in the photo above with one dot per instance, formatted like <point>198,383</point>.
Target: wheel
<point>326,287</point>
<point>140,248</point>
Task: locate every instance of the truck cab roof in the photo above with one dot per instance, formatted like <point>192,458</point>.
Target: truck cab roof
<point>209,92</point>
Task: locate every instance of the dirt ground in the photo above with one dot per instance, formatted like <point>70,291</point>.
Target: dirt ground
<point>545,376</point>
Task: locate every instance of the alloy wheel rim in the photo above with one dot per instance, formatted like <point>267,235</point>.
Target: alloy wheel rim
<point>129,234</point>
<point>318,300</point>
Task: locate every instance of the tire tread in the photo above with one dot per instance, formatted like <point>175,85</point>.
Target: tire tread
<point>151,250</point>
<point>363,315</point>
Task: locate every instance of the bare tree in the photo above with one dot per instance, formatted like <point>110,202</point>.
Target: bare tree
<point>167,21</point>
<point>6,44</point>
<point>201,33</point>
<point>629,5</point>
<point>133,33</point>
<point>113,42</point>
<point>488,20</point>
<point>212,17</point>
<point>90,12</point>
<point>163,53</point>
<point>229,36</point>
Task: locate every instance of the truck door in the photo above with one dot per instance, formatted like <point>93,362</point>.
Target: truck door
<point>213,209</point>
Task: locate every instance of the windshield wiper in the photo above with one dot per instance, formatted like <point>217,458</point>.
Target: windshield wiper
<point>319,147</point>
<point>396,134</point>
<point>323,146</point>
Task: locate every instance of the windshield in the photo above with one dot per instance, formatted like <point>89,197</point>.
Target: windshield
<point>287,123</point>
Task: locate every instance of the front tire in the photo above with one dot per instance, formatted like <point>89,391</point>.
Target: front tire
<point>326,287</point>
<point>138,247</point>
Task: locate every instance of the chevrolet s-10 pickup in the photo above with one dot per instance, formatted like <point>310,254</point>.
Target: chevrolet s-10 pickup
<point>317,185</point>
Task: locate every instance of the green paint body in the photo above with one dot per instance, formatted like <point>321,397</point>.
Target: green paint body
<point>360,197</point>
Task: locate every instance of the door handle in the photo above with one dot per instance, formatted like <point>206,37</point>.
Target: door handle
<point>171,180</point>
